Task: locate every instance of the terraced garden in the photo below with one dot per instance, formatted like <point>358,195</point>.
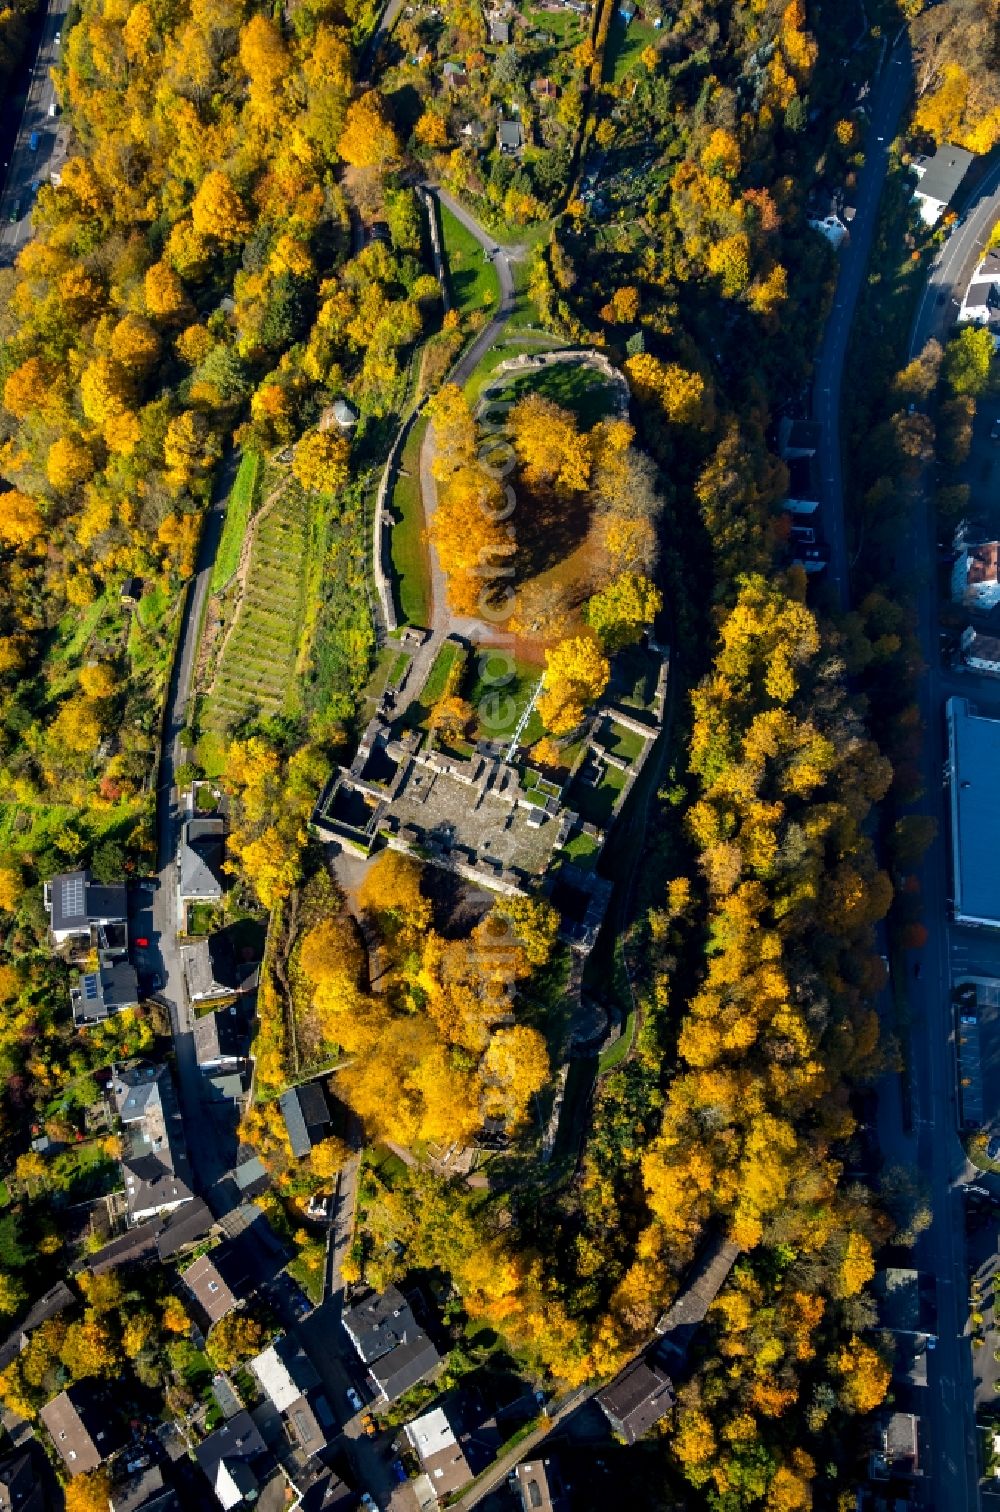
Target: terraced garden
<point>257,669</point>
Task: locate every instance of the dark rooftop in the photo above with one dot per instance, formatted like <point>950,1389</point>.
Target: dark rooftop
<point>307,1116</point>
<point>637,1399</point>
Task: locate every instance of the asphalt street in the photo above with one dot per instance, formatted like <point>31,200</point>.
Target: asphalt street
<point>932,1144</point>
<point>31,166</point>
<point>210,1126</point>
<point>888,98</point>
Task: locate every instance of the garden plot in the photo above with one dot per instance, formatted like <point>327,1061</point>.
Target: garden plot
<point>257,666</point>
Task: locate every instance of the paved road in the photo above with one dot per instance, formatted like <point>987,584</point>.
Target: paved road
<point>208,1124</point>
<point>890,95</point>
<point>933,1145</point>
<point>28,167</point>
<point>386,22</point>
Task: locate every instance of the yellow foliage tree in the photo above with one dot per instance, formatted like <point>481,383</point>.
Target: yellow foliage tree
<point>217,210</point>
<point>320,462</point>
<point>369,139</point>
<point>576,674</point>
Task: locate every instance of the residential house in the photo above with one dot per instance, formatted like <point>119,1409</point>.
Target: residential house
<point>341,413</point>
<point>227,1459</point>
<point>390,1342</point>
<point>214,968</point>
<point>499,31</point>
<point>157,1238</point>
<point>975,577</point>
<point>87,913</point>
<point>220,1041</point>
<point>200,878</point>
<point>831,216</point>
<point>289,1381</point>
<point>981,302</point>
<point>438,1450</point>
<point>510,138</point>
<point>307,1116</point>
<point>54,1301</point>
<point>544,89</point>
<point>154,1158</point>
<point>328,1493</point>
<point>206,1280</point>
<point>897,1451</point>
<point>83,1428</point>
<point>798,438</point>
<point>980,653</point>
<point>144,1492</point>
<point>100,994</point>
<point>21,1486</point>
<point>251,1177</point>
<point>906,1309</point>
<point>540,1486</point>
<point>637,1399</point>
<point>455,76</point>
<point>938,178</point>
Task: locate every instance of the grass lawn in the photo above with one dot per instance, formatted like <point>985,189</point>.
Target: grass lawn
<point>410,561</point>
<point>563,25</point>
<point>595,804</point>
<point>581,849</point>
<point>202,918</point>
<point>502,350</point>
<point>616,1053</point>
<point>574,386</point>
<point>621,742</point>
<point>625,45</point>
<point>499,693</point>
<point>238,511</point>
<point>441,671</point>
<point>471,278</point>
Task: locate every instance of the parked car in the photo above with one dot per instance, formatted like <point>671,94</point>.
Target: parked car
<point>15,212</point>
<point>399,1471</point>
<point>58,38</point>
<point>368,1502</point>
<point>33,141</point>
<point>354,1399</point>
<point>993,1148</point>
<point>53,108</point>
<point>995,431</point>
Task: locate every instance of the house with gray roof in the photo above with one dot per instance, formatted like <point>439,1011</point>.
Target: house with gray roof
<point>220,1041</point>
<point>307,1116</point>
<point>227,1459</point>
<point>938,178</point>
<point>200,878</point>
<point>510,137</point>
<point>86,912</point>
<point>50,1305</point>
<point>215,968</point>
<point>973,762</point>
<point>390,1341</point>
<point>288,1379</point>
<point>21,1488</point>
<point>154,1156</point>
<point>100,994</point>
<point>637,1399</point>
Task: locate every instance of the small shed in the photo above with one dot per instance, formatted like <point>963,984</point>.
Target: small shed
<point>131,590</point>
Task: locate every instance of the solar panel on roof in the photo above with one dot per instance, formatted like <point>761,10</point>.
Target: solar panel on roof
<point>72,897</point>
<point>90,987</point>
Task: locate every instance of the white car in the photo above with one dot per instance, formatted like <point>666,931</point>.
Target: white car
<point>58,38</point>
<point>354,1399</point>
<point>53,108</point>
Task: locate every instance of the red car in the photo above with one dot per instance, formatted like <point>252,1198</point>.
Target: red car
<point>141,940</point>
